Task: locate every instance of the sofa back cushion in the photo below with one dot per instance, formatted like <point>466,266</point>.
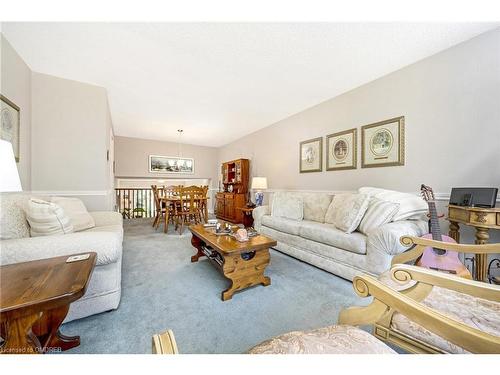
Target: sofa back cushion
<point>76,211</point>
<point>347,210</point>
<point>410,206</point>
<point>288,205</point>
<point>46,218</point>
<point>13,224</point>
<point>379,212</point>
<point>316,205</point>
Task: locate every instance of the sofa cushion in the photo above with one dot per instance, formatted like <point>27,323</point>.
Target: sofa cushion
<point>329,235</point>
<point>339,339</point>
<point>288,205</point>
<point>411,206</point>
<point>47,219</point>
<point>13,223</point>
<point>316,205</point>
<point>282,224</point>
<point>347,210</point>
<point>76,211</point>
<point>379,212</point>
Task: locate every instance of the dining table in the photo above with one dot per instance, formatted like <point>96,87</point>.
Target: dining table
<point>168,200</point>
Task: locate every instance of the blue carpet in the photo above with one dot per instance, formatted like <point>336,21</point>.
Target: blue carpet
<point>161,289</point>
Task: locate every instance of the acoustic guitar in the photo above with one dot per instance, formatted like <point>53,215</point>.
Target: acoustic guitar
<point>438,259</point>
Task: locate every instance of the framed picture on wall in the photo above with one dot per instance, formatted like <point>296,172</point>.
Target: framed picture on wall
<point>341,150</point>
<point>10,123</point>
<point>383,143</point>
<point>311,155</point>
<point>170,164</point>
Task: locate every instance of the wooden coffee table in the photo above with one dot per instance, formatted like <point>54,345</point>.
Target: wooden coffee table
<point>35,299</point>
<point>242,263</point>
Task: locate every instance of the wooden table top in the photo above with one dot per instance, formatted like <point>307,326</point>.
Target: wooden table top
<point>245,209</point>
<point>44,283</point>
<point>227,244</point>
<point>472,208</point>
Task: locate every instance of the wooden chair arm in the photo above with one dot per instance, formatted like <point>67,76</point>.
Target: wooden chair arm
<point>404,273</point>
<point>490,248</point>
<point>164,343</point>
<point>418,245</point>
<point>469,338</point>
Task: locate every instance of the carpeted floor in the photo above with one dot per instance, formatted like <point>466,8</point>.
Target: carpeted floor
<point>161,289</point>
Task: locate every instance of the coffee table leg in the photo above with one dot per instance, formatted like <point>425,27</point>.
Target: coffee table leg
<point>52,320</point>
<point>245,273</point>
<point>197,244</point>
<point>19,338</point>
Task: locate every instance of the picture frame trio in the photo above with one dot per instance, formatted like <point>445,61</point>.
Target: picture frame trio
<point>382,145</point>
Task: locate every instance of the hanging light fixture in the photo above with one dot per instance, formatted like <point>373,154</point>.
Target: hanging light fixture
<point>179,145</point>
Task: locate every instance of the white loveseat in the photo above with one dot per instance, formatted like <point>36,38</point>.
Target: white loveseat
<point>325,246</point>
<point>16,245</point>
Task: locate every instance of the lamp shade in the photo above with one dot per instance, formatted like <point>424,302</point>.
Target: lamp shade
<point>9,177</point>
<point>259,183</point>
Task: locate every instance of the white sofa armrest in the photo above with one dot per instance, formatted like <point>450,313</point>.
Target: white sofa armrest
<point>107,245</point>
<point>104,218</point>
<point>258,213</point>
<point>385,239</point>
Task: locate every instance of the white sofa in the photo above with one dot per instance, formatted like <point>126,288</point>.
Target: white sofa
<point>323,245</point>
<point>104,289</point>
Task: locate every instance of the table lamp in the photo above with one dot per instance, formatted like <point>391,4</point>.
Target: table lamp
<point>9,180</point>
<point>259,184</point>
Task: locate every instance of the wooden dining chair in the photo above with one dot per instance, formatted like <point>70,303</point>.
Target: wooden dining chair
<point>188,207</point>
<point>160,210</point>
<point>204,203</point>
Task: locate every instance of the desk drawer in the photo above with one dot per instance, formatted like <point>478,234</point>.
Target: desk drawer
<point>483,218</point>
<point>458,214</point>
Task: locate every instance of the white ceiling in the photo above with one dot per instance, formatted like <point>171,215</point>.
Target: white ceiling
<point>218,81</point>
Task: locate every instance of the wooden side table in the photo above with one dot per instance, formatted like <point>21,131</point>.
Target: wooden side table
<point>482,219</point>
<point>247,216</point>
<point>35,300</point>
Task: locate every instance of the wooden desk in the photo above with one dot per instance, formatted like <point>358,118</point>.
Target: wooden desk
<point>35,300</point>
<point>482,219</point>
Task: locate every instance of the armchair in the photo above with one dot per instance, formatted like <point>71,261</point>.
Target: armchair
<point>470,304</point>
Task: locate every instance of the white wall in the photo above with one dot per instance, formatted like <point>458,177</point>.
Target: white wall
<point>70,137</point>
<point>451,103</point>
<point>132,159</point>
<point>15,85</point>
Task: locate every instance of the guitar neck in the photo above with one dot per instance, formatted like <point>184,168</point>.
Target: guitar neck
<point>434,222</point>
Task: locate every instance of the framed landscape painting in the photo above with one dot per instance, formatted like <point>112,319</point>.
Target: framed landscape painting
<point>10,122</point>
<point>311,155</point>
<point>170,164</point>
<point>341,150</point>
<point>383,143</point>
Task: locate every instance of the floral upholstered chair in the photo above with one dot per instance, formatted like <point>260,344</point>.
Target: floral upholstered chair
<point>472,304</point>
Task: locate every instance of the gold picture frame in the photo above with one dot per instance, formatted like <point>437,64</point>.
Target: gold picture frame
<point>383,143</point>
<point>311,155</point>
<point>342,150</point>
<point>10,124</point>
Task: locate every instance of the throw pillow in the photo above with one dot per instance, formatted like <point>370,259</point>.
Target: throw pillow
<point>46,218</point>
<point>288,205</point>
<point>76,211</point>
<point>347,210</point>
<point>411,206</point>
<point>379,212</point>
<point>13,222</point>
